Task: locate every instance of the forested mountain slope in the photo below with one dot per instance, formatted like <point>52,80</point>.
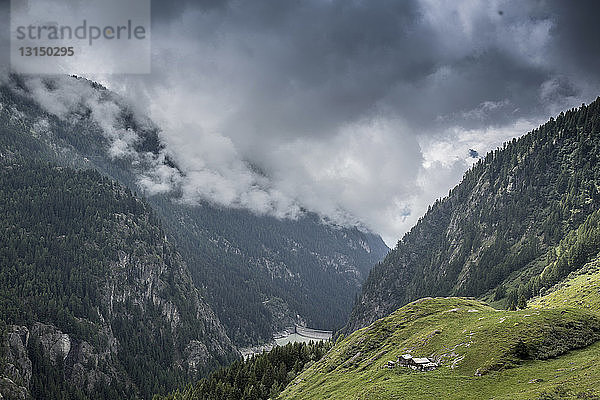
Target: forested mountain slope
<point>521,219</point>
<point>95,302</point>
<point>258,273</point>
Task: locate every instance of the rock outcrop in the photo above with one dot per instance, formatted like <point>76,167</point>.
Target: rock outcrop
<point>17,365</point>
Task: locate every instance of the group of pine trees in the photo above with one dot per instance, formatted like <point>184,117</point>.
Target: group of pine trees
<point>577,248</point>
<point>261,377</point>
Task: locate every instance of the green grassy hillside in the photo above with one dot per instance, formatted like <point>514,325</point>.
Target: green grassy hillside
<point>484,354</point>
<point>580,289</point>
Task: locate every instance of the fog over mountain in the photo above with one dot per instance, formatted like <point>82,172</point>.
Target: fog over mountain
<point>361,111</point>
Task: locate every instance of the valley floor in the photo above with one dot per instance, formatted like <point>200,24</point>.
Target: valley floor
<point>291,335</point>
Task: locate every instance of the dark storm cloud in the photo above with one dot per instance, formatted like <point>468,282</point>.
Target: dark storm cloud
<point>314,64</point>
<point>359,110</point>
<point>168,11</point>
<point>311,65</point>
<point>576,34</point>
<point>4,35</point>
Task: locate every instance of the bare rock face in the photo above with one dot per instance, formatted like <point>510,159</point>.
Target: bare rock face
<point>83,366</point>
<point>197,355</point>
<point>146,283</point>
<point>17,368</point>
<point>79,358</point>
<point>55,344</point>
<point>9,390</point>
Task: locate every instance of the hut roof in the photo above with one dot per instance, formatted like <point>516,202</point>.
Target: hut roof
<point>421,360</point>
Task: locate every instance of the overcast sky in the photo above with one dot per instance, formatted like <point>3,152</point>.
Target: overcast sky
<point>363,111</point>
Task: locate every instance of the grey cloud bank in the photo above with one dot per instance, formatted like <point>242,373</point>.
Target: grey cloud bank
<point>363,111</point>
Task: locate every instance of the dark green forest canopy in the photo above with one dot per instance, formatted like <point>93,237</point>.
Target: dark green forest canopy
<point>63,233</point>
<point>58,238</point>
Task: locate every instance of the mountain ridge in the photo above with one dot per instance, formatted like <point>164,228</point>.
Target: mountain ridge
<point>510,208</point>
